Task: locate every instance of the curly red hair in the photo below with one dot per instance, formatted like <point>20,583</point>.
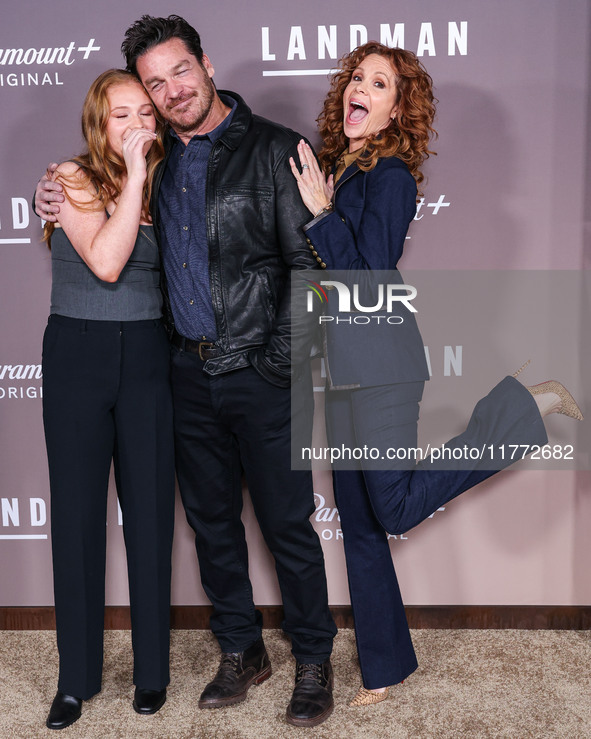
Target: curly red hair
<point>408,135</point>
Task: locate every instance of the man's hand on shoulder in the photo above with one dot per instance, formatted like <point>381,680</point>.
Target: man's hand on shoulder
<point>47,195</point>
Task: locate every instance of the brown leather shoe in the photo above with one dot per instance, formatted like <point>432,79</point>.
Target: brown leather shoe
<point>311,702</point>
<point>236,673</point>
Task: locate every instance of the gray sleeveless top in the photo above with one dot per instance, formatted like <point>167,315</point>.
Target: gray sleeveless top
<point>77,292</point>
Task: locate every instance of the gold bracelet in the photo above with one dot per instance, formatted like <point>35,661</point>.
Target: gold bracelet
<point>326,209</point>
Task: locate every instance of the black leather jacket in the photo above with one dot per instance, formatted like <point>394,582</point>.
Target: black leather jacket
<point>254,225</point>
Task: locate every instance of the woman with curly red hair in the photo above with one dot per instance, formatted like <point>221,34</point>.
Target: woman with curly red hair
<point>376,127</point>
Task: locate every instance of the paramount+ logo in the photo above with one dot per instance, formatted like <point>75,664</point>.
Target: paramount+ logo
<point>34,67</point>
<point>328,522</point>
<point>20,382</point>
<point>368,301</point>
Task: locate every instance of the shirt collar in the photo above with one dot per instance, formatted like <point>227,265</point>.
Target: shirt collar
<point>344,162</point>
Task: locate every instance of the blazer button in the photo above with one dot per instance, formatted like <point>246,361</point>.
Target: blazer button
<point>308,241</point>
<point>323,265</point>
<point>318,259</point>
<point>343,220</point>
<point>315,253</point>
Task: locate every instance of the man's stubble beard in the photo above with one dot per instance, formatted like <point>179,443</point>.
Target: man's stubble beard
<point>207,98</point>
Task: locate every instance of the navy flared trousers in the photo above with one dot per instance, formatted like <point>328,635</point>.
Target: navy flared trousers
<point>372,502</point>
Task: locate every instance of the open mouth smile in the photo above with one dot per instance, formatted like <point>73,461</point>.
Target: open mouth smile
<point>357,112</point>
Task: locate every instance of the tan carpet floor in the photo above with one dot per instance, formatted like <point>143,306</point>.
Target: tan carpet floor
<point>469,684</point>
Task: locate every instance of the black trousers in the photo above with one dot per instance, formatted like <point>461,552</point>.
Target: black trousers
<point>106,396</point>
<point>373,501</point>
<point>226,425</point>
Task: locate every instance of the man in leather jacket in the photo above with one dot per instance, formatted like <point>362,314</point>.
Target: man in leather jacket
<point>228,217</point>
<point>254,239</point>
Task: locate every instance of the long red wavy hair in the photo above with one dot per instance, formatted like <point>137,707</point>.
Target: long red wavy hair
<point>407,137</point>
<point>100,166</point>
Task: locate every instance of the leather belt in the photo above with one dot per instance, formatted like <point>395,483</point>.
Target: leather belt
<point>204,349</point>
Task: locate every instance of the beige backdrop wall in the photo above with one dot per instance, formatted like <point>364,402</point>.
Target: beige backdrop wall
<point>508,190</point>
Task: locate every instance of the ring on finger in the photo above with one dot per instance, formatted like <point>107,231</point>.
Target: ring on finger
<point>305,166</point>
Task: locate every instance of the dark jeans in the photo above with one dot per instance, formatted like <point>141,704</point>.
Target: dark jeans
<point>226,425</point>
<point>106,396</point>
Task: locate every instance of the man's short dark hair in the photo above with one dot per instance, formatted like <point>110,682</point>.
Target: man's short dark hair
<point>150,31</point>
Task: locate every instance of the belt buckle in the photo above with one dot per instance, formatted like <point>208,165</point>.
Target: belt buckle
<point>204,345</point>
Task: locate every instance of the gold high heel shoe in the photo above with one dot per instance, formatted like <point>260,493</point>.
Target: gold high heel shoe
<point>520,370</point>
<point>367,697</point>
<point>569,404</point>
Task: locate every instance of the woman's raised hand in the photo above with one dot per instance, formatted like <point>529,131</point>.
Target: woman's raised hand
<point>135,146</point>
<point>315,189</point>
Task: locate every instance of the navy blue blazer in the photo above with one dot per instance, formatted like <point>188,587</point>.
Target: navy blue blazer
<point>365,233</point>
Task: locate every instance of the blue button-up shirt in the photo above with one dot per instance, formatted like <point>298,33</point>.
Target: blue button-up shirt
<point>185,251</point>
